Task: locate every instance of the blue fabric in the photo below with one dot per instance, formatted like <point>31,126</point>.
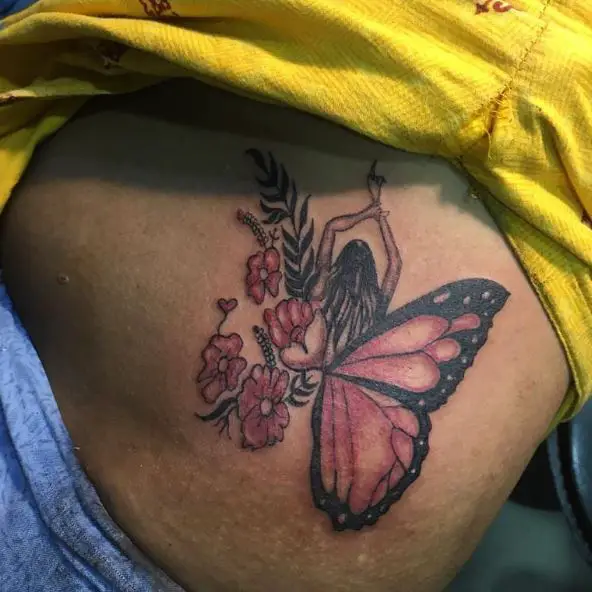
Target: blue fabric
<point>54,533</point>
<point>8,7</point>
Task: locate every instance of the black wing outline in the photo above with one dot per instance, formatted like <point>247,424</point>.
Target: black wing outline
<point>482,297</point>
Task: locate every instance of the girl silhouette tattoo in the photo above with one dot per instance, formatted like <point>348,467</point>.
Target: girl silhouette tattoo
<point>375,376</point>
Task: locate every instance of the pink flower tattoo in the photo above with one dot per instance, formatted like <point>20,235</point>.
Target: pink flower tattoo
<point>262,412</point>
<point>222,366</point>
<point>299,331</point>
<point>287,324</point>
<point>264,274</point>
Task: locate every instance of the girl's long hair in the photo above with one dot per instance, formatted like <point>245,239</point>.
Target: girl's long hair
<point>354,301</point>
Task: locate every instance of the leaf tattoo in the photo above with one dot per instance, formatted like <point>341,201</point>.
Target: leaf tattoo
<point>280,202</point>
<point>302,386</point>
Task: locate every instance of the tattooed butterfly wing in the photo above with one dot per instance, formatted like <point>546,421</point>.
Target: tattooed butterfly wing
<point>370,424</point>
<point>367,450</point>
<point>419,353</point>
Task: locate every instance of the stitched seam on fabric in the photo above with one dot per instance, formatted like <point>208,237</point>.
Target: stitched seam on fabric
<point>528,50</point>
<point>501,94</point>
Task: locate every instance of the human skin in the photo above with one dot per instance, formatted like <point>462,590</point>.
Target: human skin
<point>118,245</point>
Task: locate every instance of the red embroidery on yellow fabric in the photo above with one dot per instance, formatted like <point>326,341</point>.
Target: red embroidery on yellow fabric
<point>495,5</point>
<point>157,8</point>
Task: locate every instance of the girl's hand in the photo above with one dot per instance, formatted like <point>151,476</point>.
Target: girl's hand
<point>374,210</point>
<point>375,183</point>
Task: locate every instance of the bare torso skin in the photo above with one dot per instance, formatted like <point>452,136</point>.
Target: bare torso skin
<point>115,248</point>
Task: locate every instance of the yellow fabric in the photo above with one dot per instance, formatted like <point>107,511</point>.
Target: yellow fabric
<point>501,90</point>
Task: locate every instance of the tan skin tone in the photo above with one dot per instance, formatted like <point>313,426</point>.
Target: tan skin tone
<point>142,221</point>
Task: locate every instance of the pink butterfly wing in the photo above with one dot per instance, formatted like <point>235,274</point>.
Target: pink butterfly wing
<point>368,444</point>
<point>407,356</point>
<point>370,423</point>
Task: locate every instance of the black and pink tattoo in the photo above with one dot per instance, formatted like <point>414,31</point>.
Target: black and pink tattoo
<point>374,375</point>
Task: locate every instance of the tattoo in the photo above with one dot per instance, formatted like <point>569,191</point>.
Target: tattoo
<point>265,345</point>
<point>248,219</point>
<point>281,202</point>
<point>374,376</point>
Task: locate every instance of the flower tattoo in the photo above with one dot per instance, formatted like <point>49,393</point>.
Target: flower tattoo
<point>222,366</point>
<point>261,410</point>
<point>299,332</point>
<point>374,376</point>
<point>288,322</point>
<point>264,274</point>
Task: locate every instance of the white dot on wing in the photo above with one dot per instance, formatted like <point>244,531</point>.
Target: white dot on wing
<point>439,298</point>
<point>486,295</point>
<point>466,300</point>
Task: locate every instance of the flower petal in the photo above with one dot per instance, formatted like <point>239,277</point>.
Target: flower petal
<point>248,398</point>
<point>252,391</point>
<point>254,430</point>
<point>213,389</point>
<point>281,414</point>
<point>257,292</point>
<point>273,282</point>
<point>229,345</point>
<point>315,340</point>
<point>235,367</point>
<point>257,373</point>
<point>306,314</point>
<point>294,312</point>
<point>253,277</point>
<point>275,431</point>
<point>281,312</point>
<point>211,356</point>
<point>255,262</point>
<point>279,337</point>
<point>279,384</point>
<point>272,259</point>
<point>265,382</point>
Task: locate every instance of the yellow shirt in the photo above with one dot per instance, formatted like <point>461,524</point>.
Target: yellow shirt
<point>500,89</point>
